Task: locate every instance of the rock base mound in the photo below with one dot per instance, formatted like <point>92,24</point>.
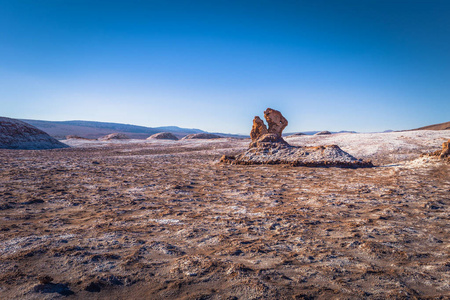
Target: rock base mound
<point>201,136</point>
<point>114,136</point>
<point>322,156</point>
<point>163,136</point>
<point>15,134</point>
<point>269,140</point>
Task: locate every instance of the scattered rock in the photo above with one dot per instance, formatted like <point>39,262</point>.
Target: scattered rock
<point>15,134</point>
<point>45,279</point>
<point>163,136</point>
<point>62,289</point>
<point>94,287</point>
<point>33,201</point>
<point>115,136</point>
<point>201,136</point>
<point>325,132</point>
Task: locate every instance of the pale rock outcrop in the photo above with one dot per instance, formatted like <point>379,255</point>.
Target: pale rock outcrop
<point>115,136</point>
<point>297,134</point>
<point>201,136</point>
<point>15,134</point>
<point>325,132</point>
<point>163,136</point>
<point>76,137</point>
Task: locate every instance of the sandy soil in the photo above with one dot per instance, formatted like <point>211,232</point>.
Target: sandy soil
<point>164,220</point>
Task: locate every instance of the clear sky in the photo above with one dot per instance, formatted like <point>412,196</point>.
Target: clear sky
<point>364,65</point>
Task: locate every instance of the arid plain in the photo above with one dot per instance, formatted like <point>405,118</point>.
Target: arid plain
<point>165,220</point>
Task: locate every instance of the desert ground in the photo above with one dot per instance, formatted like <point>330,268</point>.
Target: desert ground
<point>165,220</point>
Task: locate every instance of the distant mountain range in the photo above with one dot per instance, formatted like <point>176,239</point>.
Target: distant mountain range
<point>94,130</point>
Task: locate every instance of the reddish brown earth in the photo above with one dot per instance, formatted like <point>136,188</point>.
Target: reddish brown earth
<point>164,220</point>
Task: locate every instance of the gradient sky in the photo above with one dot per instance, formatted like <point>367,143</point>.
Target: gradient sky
<point>364,65</point>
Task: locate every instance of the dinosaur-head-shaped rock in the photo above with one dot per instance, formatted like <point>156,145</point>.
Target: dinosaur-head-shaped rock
<point>275,120</point>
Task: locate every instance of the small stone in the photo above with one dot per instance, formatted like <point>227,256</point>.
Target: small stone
<point>45,279</point>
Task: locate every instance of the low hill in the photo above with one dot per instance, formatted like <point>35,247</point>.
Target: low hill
<point>15,134</point>
<point>94,130</point>
<point>441,126</point>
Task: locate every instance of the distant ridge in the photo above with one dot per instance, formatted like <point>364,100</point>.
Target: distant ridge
<point>94,130</point>
<point>440,126</point>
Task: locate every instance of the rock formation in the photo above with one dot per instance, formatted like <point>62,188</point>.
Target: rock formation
<point>272,136</point>
<point>258,129</point>
<point>441,154</point>
<point>268,147</point>
<point>444,153</point>
<point>115,136</point>
<point>201,136</point>
<point>445,150</point>
<point>163,136</point>
<point>275,120</point>
<point>15,134</point>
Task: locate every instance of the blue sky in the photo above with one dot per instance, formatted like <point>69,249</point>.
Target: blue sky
<point>364,65</point>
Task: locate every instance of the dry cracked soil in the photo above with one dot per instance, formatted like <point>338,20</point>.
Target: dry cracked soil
<point>165,220</point>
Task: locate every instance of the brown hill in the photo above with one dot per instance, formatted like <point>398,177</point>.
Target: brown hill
<point>441,126</point>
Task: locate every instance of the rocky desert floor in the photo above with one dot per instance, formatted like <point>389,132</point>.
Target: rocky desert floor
<point>164,220</point>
